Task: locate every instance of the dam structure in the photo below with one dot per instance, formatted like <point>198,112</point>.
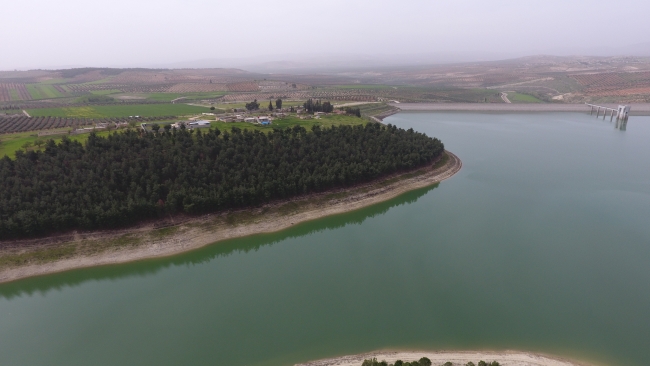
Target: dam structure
<point>622,112</point>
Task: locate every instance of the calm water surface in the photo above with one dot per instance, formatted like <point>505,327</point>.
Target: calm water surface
<point>540,243</point>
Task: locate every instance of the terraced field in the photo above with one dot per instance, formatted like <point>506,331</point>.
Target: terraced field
<point>13,91</point>
<point>615,84</point>
<point>24,123</point>
<point>107,111</point>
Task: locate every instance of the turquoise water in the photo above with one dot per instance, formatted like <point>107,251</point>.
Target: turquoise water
<point>540,243</point>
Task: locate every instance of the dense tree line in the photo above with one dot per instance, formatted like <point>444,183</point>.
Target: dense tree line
<point>353,111</point>
<point>117,180</point>
<point>316,106</point>
<point>424,361</point>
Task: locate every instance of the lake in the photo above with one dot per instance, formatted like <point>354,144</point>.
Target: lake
<point>540,243</point>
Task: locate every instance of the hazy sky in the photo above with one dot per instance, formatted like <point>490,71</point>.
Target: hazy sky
<point>60,33</point>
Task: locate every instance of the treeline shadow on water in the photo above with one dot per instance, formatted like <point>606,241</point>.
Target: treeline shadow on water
<point>59,281</point>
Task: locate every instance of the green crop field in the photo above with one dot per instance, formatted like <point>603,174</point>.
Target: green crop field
<point>108,111</point>
<point>35,93</point>
<point>522,98</point>
<point>43,91</point>
<point>13,93</point>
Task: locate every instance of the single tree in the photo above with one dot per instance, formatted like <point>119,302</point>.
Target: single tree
<point>212,108</point>
<point>278,103</point>
<point>155,128</point>
<point>254,105</point>
<point>270,106</point>
<point>424,361</point>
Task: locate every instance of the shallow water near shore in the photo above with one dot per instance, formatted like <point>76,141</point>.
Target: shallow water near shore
<point>540,243</point>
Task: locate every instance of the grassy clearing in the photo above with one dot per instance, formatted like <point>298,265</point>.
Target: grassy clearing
<point>13,93</point>
<point>108,111</point>
<point>10,143</point>
<point>522,98</point>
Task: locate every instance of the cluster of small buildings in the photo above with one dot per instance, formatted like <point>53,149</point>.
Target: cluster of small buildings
<point>192,124</point>
<point>261,120</point>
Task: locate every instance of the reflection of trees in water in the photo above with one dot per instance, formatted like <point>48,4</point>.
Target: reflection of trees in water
<point>72,278</point>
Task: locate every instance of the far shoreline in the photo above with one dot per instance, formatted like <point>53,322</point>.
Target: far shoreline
<point>81,250</point>
<point>637,109</point>
<point>457,358</point>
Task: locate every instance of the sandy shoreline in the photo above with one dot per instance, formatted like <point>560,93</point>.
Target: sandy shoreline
<point>506,358</point>
<point>636,109</point>
<point>151,242</point>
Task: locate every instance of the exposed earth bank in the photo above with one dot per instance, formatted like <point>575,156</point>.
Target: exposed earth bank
<point>22,259</point>
<point>456,358</point>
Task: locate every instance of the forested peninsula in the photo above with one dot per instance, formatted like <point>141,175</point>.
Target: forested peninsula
<point>125,178</point>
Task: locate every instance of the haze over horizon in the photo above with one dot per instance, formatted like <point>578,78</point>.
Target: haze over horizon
<point>263,36</point>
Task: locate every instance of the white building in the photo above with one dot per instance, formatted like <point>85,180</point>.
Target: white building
<point>199,124</point>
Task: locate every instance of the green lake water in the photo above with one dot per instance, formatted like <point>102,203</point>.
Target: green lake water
<point>540,243</point>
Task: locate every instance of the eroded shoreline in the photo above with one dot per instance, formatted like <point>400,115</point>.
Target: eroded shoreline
<point>458,358</point>
<point>121,246</point>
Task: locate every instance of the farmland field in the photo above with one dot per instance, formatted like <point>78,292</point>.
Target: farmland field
<point>522,98</point>
<point>43,91</point>
<point>106,111</point>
